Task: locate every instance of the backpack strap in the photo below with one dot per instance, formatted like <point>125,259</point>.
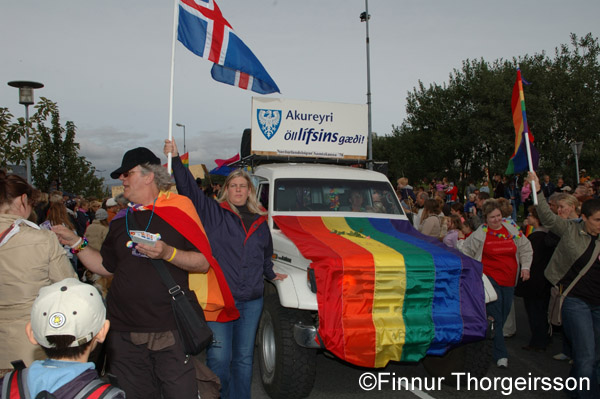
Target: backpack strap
<point>18,364</point>
<point>45,395</point>
<point>15,385</point>
<point>99,389</point>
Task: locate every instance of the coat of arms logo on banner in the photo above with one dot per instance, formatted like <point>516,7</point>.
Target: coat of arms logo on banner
<point>269,121</point>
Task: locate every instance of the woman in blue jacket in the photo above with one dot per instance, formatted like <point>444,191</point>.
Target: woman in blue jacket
<point>239,235</point>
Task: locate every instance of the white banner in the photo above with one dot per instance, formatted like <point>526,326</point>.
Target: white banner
<point>296,128</point>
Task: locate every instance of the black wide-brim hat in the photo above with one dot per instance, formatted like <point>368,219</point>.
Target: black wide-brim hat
<point>133,158</point>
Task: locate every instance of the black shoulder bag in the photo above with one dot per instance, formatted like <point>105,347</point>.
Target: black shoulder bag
<point>194,332</point>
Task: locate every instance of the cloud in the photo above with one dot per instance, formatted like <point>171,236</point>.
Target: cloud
<point>104,147</point>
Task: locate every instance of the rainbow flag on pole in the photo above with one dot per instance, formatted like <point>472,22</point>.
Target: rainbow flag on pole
<point>386,292</point>
<point>185,159</point>
<point>519,161</point>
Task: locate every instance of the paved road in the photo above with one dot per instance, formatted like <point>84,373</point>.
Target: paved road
<point>341,380</point>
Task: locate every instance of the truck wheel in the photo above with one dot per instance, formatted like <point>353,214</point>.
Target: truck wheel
<point>287,370</point>
<point>473,358</point>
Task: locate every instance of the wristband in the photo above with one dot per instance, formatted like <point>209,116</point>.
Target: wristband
<point>79,247</point>
<point>77,243</point>
<point>172,255</point>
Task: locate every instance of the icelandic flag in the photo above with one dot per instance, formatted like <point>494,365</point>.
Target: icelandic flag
<point>518,161</point>
<point>206,33</point>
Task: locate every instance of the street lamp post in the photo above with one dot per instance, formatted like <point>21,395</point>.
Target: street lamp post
<point>26,98</point>
<point>183,126</point>
<point>364,17</point>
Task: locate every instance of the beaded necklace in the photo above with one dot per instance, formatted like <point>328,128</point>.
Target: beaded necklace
<point>519,234</point>
<point>129,243</point>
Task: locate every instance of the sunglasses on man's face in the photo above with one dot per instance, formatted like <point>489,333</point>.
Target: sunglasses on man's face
<point>126,174</point>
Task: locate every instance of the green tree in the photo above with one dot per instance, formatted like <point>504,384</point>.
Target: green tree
<point>463,128</point>
<point>56,163</point>
<point>10,139</point>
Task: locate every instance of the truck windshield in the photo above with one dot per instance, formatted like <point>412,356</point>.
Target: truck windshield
<point>332,195</point>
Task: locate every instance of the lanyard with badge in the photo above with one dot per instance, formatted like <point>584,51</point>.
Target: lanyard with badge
<point>141,237</point>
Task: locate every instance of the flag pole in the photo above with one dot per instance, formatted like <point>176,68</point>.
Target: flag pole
<point>174,41</point>
<point>530,163</point>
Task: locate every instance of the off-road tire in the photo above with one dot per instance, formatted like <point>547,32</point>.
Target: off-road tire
<point>287,370</point>
<point>473,358</point>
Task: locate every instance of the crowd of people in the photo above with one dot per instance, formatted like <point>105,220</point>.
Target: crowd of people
<point>525,250</point>
<point>52,243</point>
<point>71,239</point>
<point>469,203</point>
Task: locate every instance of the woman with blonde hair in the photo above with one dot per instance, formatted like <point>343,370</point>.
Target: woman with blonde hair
<point>233,198</point>
<point>240,238</point>
<point>567,206</point>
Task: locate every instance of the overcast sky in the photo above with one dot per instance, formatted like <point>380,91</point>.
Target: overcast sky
<point>107,63</point>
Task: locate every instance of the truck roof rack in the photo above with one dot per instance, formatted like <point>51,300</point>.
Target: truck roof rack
<point>255,160</point>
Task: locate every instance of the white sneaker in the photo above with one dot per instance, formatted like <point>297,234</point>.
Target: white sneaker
<point>561,356</point>
<point>502,363</point>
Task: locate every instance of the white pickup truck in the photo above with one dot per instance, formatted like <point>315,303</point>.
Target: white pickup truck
<point>363,284</point>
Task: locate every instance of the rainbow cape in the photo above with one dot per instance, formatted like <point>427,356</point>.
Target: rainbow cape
<point>211,288</point>
<point>386,292</point>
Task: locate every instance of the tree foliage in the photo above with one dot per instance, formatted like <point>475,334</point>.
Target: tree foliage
<point>56,163</point>
<point>10,139</point>
<point>463,128</point>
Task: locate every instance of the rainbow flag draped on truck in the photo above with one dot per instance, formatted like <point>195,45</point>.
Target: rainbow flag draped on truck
<point>386,292</point>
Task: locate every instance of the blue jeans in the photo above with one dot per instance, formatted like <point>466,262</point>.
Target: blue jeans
<point>581,325</point>
<point>499,310</point>
<point>232,350</point>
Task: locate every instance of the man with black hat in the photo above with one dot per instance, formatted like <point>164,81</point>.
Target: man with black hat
<point>144,347</point>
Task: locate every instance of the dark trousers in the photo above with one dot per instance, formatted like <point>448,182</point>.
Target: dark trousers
<point>151,374</point>
<point>499,310</point>
<point>537,314</point>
